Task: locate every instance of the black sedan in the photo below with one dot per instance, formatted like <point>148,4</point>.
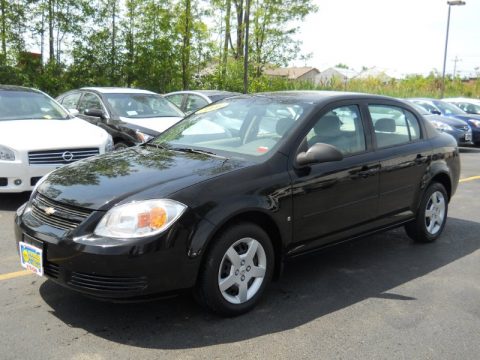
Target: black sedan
<point>218,208</point>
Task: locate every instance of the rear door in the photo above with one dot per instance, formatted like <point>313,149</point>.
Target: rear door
<point>404,156</point>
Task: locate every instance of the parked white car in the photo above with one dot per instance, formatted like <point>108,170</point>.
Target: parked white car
<point>37,135</point>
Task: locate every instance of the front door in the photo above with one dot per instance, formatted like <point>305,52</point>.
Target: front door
<point>335,196</point>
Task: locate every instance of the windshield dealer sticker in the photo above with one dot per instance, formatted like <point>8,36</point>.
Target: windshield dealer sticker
<point>212,107</point>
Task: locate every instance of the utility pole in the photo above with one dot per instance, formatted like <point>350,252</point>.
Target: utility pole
<point>245,60</point>
<point>455,61</point>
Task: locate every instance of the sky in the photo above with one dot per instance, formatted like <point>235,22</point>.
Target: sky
<point>403,37</point>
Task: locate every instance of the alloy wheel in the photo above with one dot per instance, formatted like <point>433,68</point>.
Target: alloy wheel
<point>242,271</point>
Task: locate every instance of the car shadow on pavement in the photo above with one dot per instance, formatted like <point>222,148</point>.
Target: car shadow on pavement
<point>11,202</point>
<point>312,286</point>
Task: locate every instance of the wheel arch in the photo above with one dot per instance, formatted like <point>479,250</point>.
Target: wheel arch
<point>259,218</point>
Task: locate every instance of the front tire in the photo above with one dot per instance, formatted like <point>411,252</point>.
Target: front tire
<point>431,215</point>
<point>237,269</point>
<point>120,146</point>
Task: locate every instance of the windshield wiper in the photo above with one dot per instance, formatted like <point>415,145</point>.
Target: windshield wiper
<point>157,146</point>
<point>198,151</point>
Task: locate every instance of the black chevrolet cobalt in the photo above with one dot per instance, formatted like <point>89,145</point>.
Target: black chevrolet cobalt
<point>217,202</point>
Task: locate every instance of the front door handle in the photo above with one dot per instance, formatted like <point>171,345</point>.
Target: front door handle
<point>365,171</point>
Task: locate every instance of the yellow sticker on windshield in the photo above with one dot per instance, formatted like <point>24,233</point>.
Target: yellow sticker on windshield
<point>212,108</point>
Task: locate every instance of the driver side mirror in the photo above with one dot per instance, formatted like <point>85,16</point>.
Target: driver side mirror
<point>95,113</point>
<point>435,112</point>
<point>319,153</point>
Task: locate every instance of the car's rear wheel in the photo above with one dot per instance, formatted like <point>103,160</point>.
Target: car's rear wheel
<point>237,268</point>
<point>431,216</point>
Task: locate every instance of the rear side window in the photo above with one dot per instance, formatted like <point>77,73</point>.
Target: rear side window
<point>195,102</point>
<point>176,99</point>
<point>393,125</point>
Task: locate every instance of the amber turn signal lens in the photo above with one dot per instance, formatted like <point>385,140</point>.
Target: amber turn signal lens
<point>154,219</point>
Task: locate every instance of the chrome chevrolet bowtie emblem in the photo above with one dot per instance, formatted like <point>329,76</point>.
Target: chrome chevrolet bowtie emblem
<point>49,211</point>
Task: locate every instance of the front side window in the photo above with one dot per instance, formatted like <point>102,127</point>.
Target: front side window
<point>248,127</point>
<point>70,101</point>
<point>29,105</point>
<point>137,105</point>
<point>341,127</point>
<point>90,101</point>
<point>393,125</point>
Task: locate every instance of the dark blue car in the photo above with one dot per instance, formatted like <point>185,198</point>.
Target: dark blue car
<point>438,107</point>
<point>457,128</point>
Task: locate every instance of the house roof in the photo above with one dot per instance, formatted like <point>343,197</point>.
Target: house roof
<point>291,72</point>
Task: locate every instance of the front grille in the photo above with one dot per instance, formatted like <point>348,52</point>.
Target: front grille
<point>58,215</point>
<point>52,270</point>
<point>107,283</point>
<point>462,127</point>
<point>59,157</point>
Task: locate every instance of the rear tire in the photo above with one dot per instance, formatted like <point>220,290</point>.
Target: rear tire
<point>431,215</point>
<point>237,269</point>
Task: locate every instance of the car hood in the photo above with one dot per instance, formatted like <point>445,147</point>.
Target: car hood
<point>446,120</point>
<point>99,183</point>
<point>466,117</point>
<point>159,124</point>
<point>41,134</point>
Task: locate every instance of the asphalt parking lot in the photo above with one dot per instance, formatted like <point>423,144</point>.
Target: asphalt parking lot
<point>381,297</point>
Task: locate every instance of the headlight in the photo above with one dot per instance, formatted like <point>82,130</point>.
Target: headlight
<point>110,146</point>
<point>39,182</point>
<point>139,219</point>
<point>21,209</point>
<point>142,137</point>
<point>6,154</point>
<point>474,122</point>
<point>441,126</point>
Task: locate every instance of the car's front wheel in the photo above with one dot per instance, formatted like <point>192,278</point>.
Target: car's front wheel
<point>120,146</point>
<point>431,215</point>
<point>237,268</point>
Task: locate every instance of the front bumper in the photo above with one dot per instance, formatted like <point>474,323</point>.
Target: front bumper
<point>16,176</point>
<point>131,271</point>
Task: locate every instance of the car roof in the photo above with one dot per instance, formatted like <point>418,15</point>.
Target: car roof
<point>317,96</point>
<point>18,88</point>
<point>205,92</point>
<point>464,99</point>
<point>117,90</point>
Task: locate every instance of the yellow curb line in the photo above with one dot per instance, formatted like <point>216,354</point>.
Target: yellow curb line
<point>15,274</point>
<point>470,179</point>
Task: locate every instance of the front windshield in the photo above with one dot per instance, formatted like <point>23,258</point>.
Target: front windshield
<point>449,109</point>
<point>245,127</point>
<point>29,105</point>
<point>135,105</point>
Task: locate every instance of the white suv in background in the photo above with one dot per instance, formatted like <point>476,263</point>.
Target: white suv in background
<point>37,135</point>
